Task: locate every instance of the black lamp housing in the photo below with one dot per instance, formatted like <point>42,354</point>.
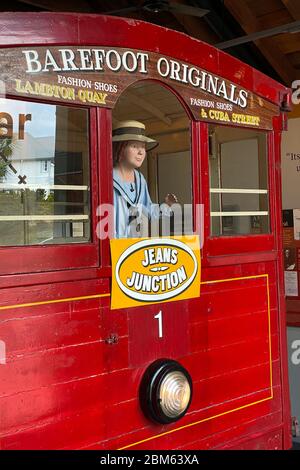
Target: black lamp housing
<point>149,391</point>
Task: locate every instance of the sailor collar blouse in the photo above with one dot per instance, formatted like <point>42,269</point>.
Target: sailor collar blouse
<point>131,202</point>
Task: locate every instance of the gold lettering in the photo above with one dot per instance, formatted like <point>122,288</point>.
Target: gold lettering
<point>246,119</point>
<point>45,89</point>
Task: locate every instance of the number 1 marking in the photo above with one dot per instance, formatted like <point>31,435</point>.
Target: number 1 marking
<point>160,325</point>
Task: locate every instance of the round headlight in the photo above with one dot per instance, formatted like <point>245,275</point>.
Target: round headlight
<point>165,391</point>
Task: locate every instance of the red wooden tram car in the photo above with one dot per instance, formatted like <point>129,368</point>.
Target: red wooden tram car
<point>78,369</point>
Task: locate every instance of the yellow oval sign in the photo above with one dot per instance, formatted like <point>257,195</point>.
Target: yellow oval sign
<point>156,270</point>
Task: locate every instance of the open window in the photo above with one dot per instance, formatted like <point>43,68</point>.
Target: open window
<point>167,169</point>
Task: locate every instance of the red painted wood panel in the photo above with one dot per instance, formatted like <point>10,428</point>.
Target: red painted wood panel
<point>70,325</point>
<point>87,360</point>
<point>262,440</point>
<point>207,433</point>
<point>76,365</point>
<point>64,386</point>
<point>62,365</point>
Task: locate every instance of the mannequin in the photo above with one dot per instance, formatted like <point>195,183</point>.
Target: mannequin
<point>132,201</point>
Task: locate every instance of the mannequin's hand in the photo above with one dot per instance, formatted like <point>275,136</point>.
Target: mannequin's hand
<point>171,199</point>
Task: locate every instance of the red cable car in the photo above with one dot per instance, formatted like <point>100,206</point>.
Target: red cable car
<point>163,340</point>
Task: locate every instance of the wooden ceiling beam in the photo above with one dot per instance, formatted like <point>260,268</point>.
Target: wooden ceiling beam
<point>195,27</point>
<point>178,124</point>
<point>250,24</point>
<point>293,7</point>
<point>288,43</point>
<point>77,6</point>
<point>274,19</point>
<point>149,107</point>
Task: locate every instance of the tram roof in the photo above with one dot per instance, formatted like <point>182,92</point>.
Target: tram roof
<point>47,28</point>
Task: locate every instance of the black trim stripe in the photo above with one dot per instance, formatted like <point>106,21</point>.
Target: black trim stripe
<point>128,130</point>
<point>138,189</point>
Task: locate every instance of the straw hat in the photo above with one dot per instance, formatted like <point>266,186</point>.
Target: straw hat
<point>132,130</point>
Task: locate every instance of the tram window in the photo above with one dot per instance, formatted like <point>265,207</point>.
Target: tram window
<point>152,192</point>
<point>44,174</point>
<point>239,200</point>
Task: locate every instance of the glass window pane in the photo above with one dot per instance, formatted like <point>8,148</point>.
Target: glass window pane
<point>239,196</point>
<point>44,174</point>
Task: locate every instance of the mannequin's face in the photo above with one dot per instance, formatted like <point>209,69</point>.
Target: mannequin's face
<point>134,154</point>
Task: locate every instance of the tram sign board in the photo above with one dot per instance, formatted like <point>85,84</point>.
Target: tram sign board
<point>147,271</point>
<point>97,76</point>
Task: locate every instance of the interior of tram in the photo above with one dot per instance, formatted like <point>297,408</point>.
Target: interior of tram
<point>238,164</point>
<point>168,167</point>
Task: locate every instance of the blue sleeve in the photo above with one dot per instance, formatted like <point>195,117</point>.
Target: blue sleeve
<point>150,208</point>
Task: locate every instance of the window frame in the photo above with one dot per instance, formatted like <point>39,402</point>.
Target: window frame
<point>220,191</point>
<point>194,160</point>
<point>68,256</point>
<point>224,245</point>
